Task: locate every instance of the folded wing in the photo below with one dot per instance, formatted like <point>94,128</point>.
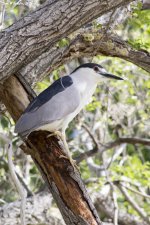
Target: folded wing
<point>53,104</point>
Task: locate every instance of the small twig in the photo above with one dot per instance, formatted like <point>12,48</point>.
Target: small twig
<point>114,196</point>
<point>116,210</point>
<point>22,192</point>
<point>85,155</point>
<point>135,191</point>
<point>133,203</point>
<point>97,169</point>
<point>95,141</point>
<point>26,85</point>
<point>29,192</point>
<point>2,14</point>
<point>108,26</point>
<point>111,160</point>
<point>116,153</point>
<point>91,180</point>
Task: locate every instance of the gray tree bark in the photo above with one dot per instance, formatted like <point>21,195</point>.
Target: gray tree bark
<point>101,43</point>
<point>39,31</point>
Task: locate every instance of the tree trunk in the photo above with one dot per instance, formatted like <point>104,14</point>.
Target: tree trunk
<point>63,181</point>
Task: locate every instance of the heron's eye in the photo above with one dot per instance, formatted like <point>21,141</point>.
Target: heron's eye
<point>96,68</point>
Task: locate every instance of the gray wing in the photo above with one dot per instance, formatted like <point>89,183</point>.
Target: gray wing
<point>55,108</point>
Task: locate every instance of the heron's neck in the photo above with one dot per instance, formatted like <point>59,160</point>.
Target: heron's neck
<point>85,83</point>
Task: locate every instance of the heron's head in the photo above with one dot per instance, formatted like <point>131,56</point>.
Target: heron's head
<point>97,71</point>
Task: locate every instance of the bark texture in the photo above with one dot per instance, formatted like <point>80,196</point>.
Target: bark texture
<point>72,198</point>
<point>39,31</point>
<point>88,44</point>
<point>63,181</point>
<point>13,94</point>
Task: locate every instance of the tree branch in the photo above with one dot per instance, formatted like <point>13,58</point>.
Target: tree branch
<point>110,145</point>
<point>144,195</point>
<point>22,192</point>
<point>20,189</point>
<point>88,44</point>
<point>40,30</point>
<point>133,203</point>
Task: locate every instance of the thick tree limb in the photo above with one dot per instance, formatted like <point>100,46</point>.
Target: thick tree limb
<point>88,44</point>
<point>40,30</point>
<point>102,43</point>
<point>146,5</point>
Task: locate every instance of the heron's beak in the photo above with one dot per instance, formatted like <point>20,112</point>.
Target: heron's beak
<point>109,75</point>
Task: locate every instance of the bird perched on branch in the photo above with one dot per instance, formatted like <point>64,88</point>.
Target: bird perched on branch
<point>55,107</point>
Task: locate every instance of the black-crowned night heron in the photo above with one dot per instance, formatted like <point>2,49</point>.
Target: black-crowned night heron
<point>55,107</point>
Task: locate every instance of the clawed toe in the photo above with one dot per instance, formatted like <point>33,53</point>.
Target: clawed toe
<point>56,133</point>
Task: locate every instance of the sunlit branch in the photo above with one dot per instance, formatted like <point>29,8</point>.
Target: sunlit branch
<point>112,144</point>
<point>132,190</point>
<point>133,203</point>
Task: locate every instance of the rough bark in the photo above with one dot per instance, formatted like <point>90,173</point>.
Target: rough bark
<point>100,43</point>
<point>39,31</point>
<point>146,5</point>
<point>13,94</point>
<point>88,44</point>
<point>63,181</point>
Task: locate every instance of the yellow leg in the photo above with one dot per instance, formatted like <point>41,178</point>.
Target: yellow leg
<point>56,133</point>
<point>62,136</point>
<point>67,151</point>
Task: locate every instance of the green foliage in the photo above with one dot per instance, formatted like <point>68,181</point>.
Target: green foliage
<point>93,105</point>
<point>139,29</point>
<point>4,122</point>
<point>134,169</point>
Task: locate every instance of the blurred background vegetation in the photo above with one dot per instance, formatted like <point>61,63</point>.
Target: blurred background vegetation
<point>118,110</point>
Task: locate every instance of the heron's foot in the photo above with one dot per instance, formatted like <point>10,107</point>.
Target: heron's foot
<point>73,162</point>
<point>57,133</point>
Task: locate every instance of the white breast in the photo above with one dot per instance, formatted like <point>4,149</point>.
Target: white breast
<point>86,90</point>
